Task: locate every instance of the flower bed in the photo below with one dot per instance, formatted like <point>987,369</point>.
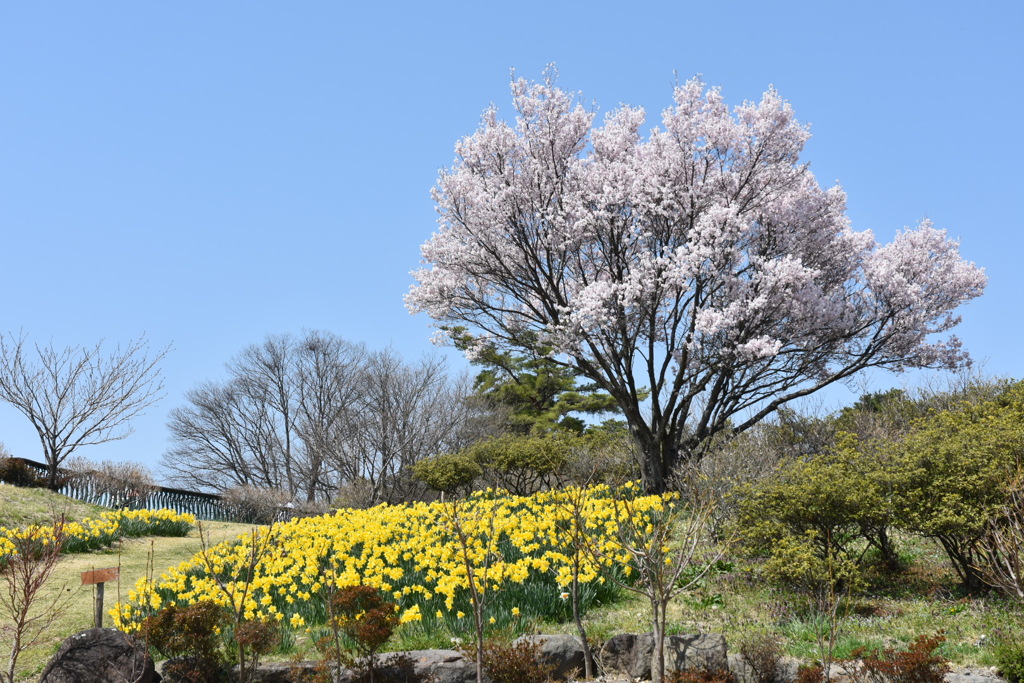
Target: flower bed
<point>101,532</point>
<point>521,551</point>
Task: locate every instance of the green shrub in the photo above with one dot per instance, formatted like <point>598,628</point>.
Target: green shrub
<point>449,472</point>
<point>812,517</point>
<point>1009,656</point>
<point>950,472</point>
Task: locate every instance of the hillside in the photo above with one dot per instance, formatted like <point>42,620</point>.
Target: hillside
<point>136,558</point>
<point>24,506</point>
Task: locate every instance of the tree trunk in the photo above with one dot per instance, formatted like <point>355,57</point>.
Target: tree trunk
<point>658,461</point>
<point>52,475</point>
<point>588,667</point>
<point>658,655</point>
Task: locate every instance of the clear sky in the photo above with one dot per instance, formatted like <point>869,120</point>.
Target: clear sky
<point>211,172</point>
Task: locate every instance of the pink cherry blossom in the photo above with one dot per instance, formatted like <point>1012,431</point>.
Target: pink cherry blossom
<point>703,262</point>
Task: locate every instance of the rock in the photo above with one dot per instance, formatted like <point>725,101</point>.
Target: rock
<point>973,676</point>
<point>701,651</point>
<point>280,672</point>
<point>627,655</point>
<point>443,666</point>
<point>100,655</point>
<point>564,652</point>
<point>740,667</point>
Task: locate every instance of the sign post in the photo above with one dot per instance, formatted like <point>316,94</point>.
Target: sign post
<point>98,577</point>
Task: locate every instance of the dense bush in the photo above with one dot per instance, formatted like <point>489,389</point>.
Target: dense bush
<point>812,517</point>
<point>943,477</point>
<point>524,464</point>
<point>1009,656</point>
<point>515,663</point>
<point>951,472</point>
<point>449,472</point>
<point>188,636</point>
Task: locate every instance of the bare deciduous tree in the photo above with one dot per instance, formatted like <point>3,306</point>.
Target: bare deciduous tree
<point>328,374</point>
<point>25,571</point>
<point>315,414</point>
<point>78,396</point>
<point>405,413</point>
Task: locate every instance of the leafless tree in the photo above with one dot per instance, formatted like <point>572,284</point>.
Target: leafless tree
<point>405,413</point>
<point>210,435</point>
<point>329,376</point>
<point>25,571</point>
<point>264,427</point>
<point>78,396</point>
<point>317,414</point>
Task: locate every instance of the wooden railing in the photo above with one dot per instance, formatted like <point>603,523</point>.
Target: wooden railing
<point>81,486</point>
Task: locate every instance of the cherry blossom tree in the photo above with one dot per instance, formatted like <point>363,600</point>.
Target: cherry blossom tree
<point>700,265</point>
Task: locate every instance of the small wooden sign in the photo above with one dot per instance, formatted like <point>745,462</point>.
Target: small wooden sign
<point>100,576</point>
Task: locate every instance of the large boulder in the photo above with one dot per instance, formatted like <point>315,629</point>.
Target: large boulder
<point>100,655</point>
<point>627,655</point>
<point>701,651</point>
<point>564,652</point>
<point>786,670</point>
<point>443,666</point>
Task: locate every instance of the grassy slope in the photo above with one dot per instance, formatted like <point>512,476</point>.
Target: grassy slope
<point>924,600</point>
<point>22,506</point>
<point>136,557</point>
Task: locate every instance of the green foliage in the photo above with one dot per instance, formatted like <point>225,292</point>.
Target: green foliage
<point>541,394</point>
<point>526,463</point>
<point>522,464</point>
<point>448,472</point>
<point>950,473</point>
<point>941,476</point>
<point>1009,657</point>
<point>811,518</point>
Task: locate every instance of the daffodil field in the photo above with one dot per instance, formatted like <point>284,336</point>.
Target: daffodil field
<point>102,532</point>
<point>520,550</point>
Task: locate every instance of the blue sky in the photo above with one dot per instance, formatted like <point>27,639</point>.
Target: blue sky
<point>211,172</point>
